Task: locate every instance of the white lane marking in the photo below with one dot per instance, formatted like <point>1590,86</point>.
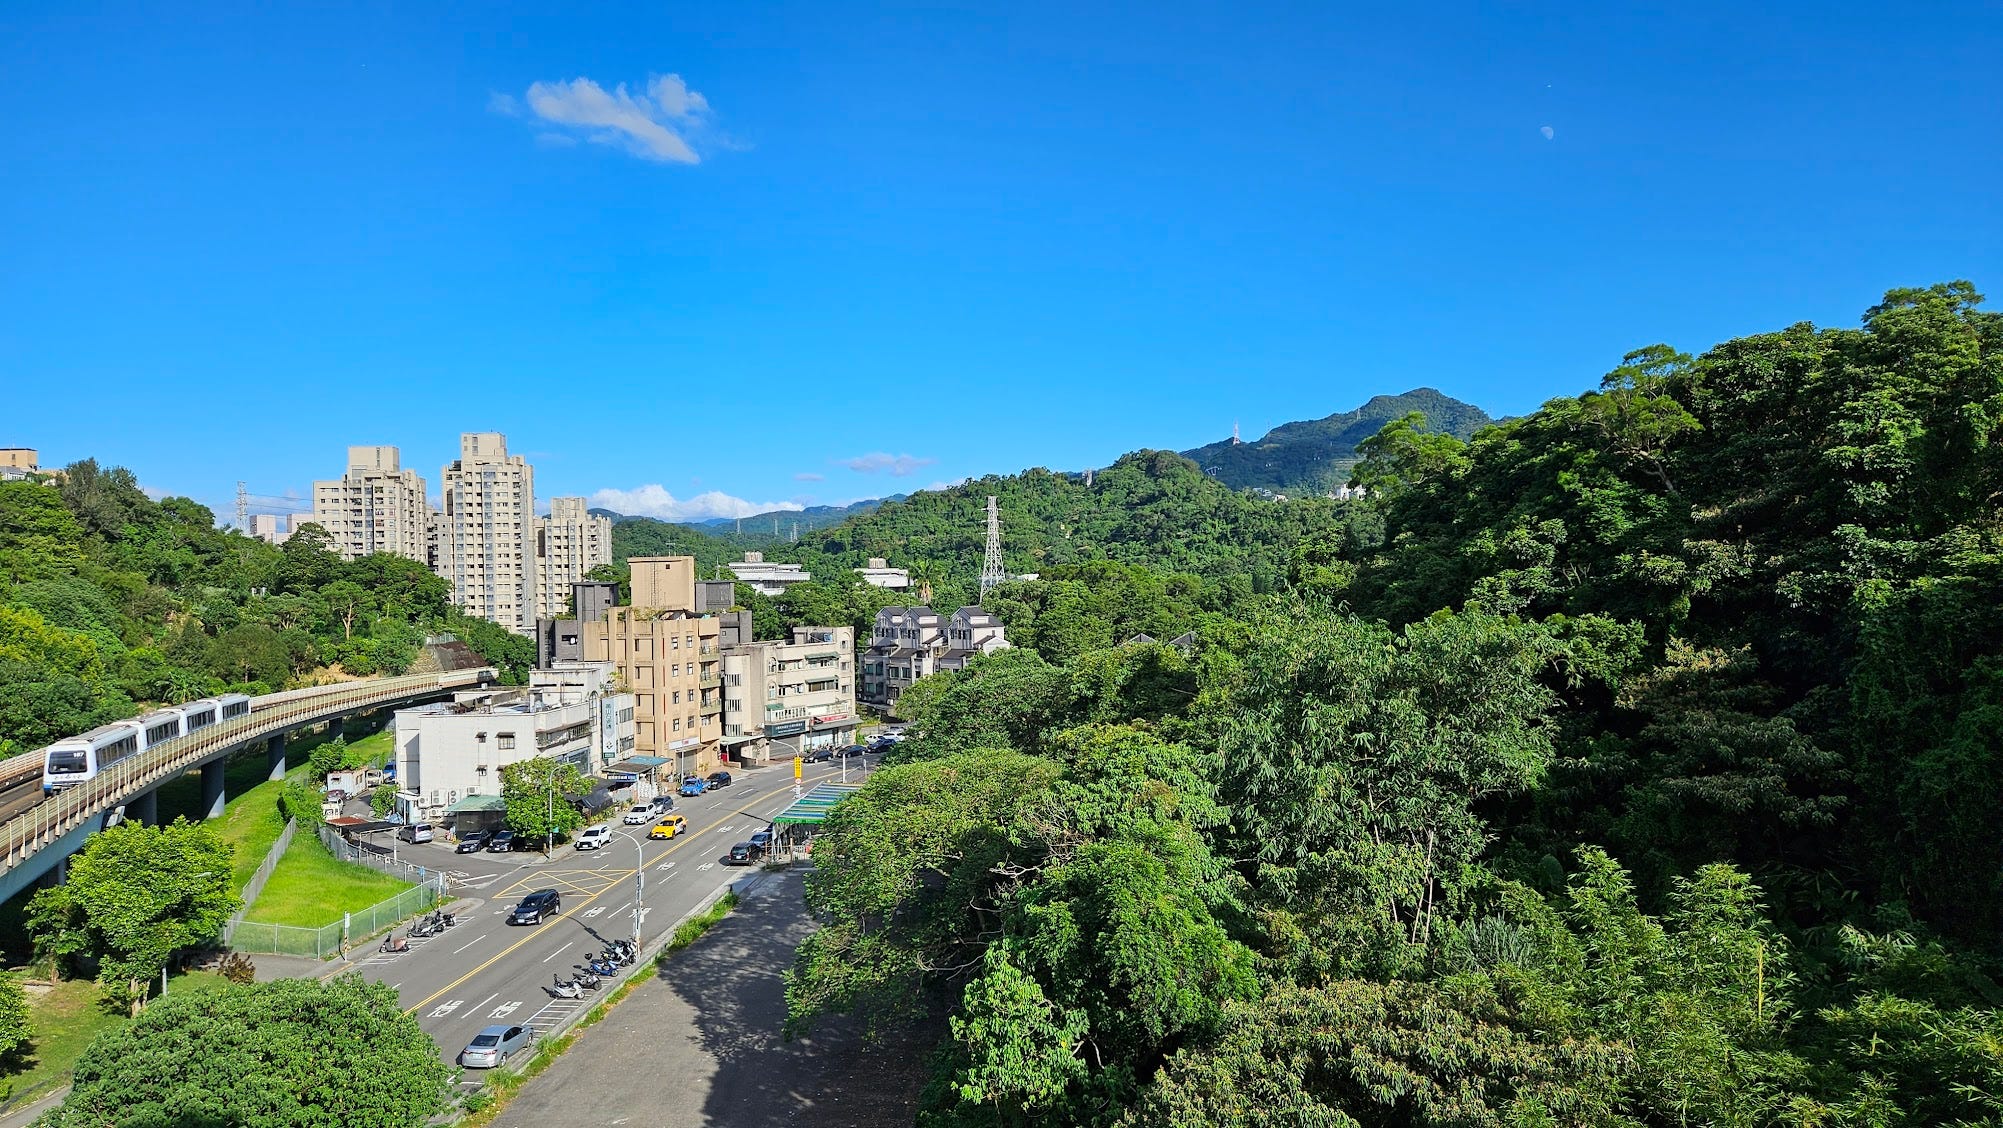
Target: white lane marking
<point>707,865</point>
<point>485,1001</point>
<point>467,944</point>
<point>443,1009</point>
<point>505,1009</point>
<point>594,911</point>
<point>558,952</point>
<point>622,908</point>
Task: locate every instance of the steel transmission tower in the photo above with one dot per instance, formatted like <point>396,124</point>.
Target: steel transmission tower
<point>991,568</point>
<point>242,508</point>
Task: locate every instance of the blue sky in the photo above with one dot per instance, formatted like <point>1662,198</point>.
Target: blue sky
<point>852,251</point>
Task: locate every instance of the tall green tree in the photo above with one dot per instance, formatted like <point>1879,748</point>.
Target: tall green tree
<point>290,1053</point>
<point>137,896</point>
<point>541,793</point>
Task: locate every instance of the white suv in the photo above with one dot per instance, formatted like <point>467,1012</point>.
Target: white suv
<point>594,837</point>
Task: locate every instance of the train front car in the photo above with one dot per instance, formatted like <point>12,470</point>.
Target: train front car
<point>79,759</point>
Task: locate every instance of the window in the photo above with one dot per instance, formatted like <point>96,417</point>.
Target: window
<point>677,698</point>
<point>678,724</point>
<point>505,741</point>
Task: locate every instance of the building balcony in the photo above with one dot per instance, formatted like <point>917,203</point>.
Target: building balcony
<point>709,681</point>
<point>710,708</point>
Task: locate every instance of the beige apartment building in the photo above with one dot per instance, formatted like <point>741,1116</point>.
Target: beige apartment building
<point>667,657</point>
<point>376,506</point>
<point>785,697</point>
<point>570,542</point>
<point>487,533</point>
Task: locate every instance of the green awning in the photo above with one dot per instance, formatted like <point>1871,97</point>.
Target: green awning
<point>813,807</point>
<point>474,803</point>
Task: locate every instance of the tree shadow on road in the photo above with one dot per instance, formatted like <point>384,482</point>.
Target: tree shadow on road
<point>732,978</point>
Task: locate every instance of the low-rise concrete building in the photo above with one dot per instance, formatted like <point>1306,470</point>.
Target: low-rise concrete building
<point>768,578</point>
<point>562,640</point>
<point>908,643</point>
<point>16,463</point>
<point>879,573</point>
<point>271,528</point>
<point>784,697</point>
<point>448,751</point>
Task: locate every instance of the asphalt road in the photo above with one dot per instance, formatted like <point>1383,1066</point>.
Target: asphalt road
<point>483,971</point>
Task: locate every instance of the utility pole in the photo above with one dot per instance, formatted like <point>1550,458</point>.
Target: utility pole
<point>991,568</point>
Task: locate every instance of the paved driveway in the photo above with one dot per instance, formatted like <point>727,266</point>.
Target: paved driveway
<point>702,1047</point>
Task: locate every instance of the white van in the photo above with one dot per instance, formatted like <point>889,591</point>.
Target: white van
<point>593,837</point>
<point>415,832</point>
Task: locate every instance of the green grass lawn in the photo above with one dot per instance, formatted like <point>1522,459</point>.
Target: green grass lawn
<point>311,887</point>
<point>64,1021</point>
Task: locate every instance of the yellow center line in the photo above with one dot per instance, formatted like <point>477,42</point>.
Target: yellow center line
<point>512,948</point>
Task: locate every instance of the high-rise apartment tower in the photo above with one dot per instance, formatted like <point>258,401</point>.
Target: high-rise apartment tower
<point>487,533</point>
<point>570,542</point>
<point>377,506</point>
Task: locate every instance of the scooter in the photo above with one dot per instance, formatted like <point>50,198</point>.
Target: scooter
<point>423,928</point>
<point>394,944</point>
<point>620,952</point>
<point>563,988</point>
<point>602,967</point>
<point>447,919</point>
<point>587,979</point>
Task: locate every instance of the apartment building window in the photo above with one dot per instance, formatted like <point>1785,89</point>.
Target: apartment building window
<point>691,722</point>
<point>691,639</point>
<point>505,741</point>
<point>676,671</point>
<point>677,698</point>
<point>674,642</point>
<point>678,724</point>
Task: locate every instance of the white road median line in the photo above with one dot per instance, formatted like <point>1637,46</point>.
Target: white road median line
<point>468,944</point>
<point>485,1001</point>
<point>558,952</point>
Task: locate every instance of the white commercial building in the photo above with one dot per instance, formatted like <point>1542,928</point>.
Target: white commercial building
<point>767,578</point>
<point>449,751</point>
<point>377,506</point>
<point>879,573</point>
<point>487,534</point>
<point>570,542</point>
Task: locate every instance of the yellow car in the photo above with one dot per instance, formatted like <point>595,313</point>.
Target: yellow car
<point>669,827</point>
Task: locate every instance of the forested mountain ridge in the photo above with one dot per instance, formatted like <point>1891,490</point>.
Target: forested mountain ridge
<point>1633,763</point>
<point>1316,455</point>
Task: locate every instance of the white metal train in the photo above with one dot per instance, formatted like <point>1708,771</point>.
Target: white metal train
<point>79,758</point>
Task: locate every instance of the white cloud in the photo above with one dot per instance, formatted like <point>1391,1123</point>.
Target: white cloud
<point>654,124</point>
<point>1547,131</point>
<point>809,476</point>
<point>897,464</point>
<point>655,501</point>
<point>949,485</point>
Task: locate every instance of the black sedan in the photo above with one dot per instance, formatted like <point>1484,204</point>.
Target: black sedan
<point>501,843</point>
<point>719,779</point>
<point>852,750</point>
<point>820,755</point>
<point>472,843</point>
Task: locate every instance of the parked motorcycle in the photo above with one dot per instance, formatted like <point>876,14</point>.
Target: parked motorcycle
<point>423,928</point>
<point>587,979</point>
<point>395,944</point>
<point>563,988</point>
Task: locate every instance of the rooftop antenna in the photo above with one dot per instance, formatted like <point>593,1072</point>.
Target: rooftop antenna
<point>242,508</point>
<point>991,568</point>
<point>1234,432</point>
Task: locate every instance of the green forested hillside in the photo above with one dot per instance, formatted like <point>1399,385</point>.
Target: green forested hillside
<point>1635,763</point>
<point>110,600</point>
<point>1316,455</point>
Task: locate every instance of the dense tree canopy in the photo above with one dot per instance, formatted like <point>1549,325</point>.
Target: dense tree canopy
<point>1631,762</point>
<point>110,600</point>
<point>290,1053</point>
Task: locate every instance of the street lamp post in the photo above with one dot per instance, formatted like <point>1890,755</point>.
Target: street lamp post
<point>639,889</point>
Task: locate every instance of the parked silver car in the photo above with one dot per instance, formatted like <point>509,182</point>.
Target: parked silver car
<point>491,1047</point>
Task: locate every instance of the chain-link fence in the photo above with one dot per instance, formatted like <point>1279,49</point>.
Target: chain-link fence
<point>374,857</point>
<point>328,941</point>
